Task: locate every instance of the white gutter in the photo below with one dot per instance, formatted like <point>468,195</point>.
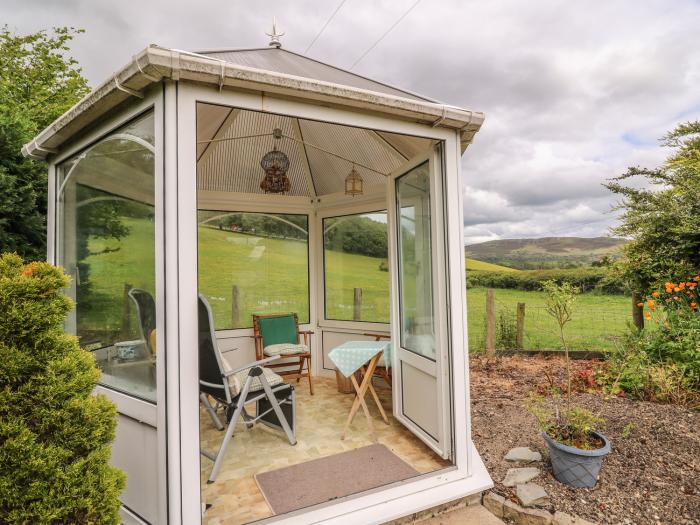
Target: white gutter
<point>155,64</point>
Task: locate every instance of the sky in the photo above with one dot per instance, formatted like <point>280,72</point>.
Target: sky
<point>573,92</point>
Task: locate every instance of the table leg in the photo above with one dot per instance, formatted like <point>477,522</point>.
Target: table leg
<point>371,368</point>
<point>359,400</point>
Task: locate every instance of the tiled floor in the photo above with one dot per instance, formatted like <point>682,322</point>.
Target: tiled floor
<point>235,497</point>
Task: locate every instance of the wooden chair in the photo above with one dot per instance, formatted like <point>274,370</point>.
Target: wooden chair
<point>279,335</point>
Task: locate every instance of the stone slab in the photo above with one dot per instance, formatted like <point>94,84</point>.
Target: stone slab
<point>523,454</point>
<point>531,494</point>
<point>516,476</point>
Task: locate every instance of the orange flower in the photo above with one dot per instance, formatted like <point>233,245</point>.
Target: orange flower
<point>694,305</point>
<point>696,278</point>
<point>654,294</point>
<point>640,304</point>
<point>647,315</point>
<point>681,285</point>
<point>676,289</point>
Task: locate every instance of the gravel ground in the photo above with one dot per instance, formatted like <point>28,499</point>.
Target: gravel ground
<point>652,475</point>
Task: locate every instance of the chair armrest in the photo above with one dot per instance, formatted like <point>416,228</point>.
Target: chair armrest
<point>251,365</point>
<point>305,332</point>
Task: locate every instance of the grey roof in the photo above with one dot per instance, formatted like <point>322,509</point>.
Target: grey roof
<point>283,61</point>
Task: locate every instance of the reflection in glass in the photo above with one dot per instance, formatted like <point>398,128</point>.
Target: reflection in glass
<point>356,271</point>
<point>106,243</point>
<point>415,262</point>
<point>253,263</point>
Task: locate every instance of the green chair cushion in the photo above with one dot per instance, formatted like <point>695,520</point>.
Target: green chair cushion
<point>278,329</point>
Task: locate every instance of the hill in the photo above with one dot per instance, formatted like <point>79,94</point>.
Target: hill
<point>473,264</point>
<point>545,252</point>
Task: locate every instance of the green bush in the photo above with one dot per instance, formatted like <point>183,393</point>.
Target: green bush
<point>55,435</point>
<point>586,279</point>
<point>662,362</point>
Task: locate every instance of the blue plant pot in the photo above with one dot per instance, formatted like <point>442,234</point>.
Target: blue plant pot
<point>574,466</point>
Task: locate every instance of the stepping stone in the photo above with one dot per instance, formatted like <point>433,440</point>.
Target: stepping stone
<point>523,454</point>
<point>516,476</point>
<point>531,494</point>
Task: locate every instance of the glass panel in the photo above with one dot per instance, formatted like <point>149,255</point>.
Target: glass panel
<point>253,263</point>
<point>106,243</point>
<point>415,262</point>
<point>356,271</point>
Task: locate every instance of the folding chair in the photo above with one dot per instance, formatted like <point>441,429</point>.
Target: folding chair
<point>233,389</point>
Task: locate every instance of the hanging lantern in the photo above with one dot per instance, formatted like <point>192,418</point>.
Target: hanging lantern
<point>353,183</point>
<point>275,165</point>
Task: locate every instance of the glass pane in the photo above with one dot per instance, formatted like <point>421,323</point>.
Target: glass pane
<point>253,263</point>
<point>356,271</point>
<point>415,262</point>
<point>106,243</point>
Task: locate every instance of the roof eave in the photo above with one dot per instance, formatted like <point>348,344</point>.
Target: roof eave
<point>154,64</point>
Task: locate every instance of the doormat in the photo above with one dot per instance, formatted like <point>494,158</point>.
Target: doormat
<point>332,477</point>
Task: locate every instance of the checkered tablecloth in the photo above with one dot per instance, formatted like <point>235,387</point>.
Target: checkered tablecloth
<point>350,356</point>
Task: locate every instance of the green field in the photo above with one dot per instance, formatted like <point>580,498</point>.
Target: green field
<point>473,264</point>
<point>271,275</point>
<point>597,322</point>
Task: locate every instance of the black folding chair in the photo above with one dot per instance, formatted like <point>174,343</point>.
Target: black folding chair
<point>146,313</point>
<point>233,389</point>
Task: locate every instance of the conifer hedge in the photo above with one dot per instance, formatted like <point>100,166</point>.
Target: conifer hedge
<point>55,435</point>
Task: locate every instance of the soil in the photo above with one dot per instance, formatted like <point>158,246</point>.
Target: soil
<point>652,474</point>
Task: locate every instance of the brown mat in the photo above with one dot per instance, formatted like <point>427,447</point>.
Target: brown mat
<point>332,477</point>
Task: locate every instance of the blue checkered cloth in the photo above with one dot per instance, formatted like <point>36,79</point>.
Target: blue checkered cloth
<point>352,355</point>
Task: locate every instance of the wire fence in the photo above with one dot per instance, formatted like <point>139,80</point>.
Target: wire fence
<point>593,327</point>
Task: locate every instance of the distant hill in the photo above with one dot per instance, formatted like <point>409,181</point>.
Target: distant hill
<point>545,252</point>
<point>473,264</point>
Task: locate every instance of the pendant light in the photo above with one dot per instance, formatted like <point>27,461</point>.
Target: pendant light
<point>275,165</point>
<point>353,183</point>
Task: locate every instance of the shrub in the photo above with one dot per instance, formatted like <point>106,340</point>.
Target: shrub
<point>662,363</point>
<point>505,330</point>
<point>55,436</point>
<point>587,279</point>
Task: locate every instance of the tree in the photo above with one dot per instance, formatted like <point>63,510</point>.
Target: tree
<point>38,83</point>
<point>55,435</point>
<point>663,218</point>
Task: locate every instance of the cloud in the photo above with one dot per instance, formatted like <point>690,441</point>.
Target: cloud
<point>573,92</point>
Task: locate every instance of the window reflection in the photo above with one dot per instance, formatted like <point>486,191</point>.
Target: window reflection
<point>106,243</point>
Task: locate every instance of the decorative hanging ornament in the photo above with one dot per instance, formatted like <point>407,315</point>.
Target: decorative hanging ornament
<point>275,165</point>
<point>353,183</point>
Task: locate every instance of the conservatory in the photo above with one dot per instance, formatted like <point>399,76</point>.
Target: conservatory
<point>267,261</point>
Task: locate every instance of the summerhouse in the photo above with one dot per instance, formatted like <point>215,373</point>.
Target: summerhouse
<point>208,204</point>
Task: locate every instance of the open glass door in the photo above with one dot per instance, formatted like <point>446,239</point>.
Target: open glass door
<point>421,387</point>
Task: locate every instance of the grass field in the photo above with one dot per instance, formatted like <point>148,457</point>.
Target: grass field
<point>473,264</point>
<point>272,276</point>
<point>598,320</point>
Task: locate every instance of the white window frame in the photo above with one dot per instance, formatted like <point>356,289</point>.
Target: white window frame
<point>147,412</point>
<point>468,476</point>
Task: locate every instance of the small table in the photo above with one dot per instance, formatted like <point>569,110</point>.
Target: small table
<point>351,357</point>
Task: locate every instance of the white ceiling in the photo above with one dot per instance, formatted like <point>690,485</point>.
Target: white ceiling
<point>313,148</point>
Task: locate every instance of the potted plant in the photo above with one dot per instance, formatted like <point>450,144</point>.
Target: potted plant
<point>576,449</point>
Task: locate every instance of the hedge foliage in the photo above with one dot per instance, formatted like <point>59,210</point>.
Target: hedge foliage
<point>587,279</point>
<point>55,435</point>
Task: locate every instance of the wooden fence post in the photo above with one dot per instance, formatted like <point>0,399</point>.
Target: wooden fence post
<point>235,306</point>
<point>126,311</point>
<point>490,324</point>
<point>520,327</point>
<point>357,304</point>
<point>637,311</point>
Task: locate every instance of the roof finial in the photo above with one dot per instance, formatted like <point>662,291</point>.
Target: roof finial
<point>275,36</point>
